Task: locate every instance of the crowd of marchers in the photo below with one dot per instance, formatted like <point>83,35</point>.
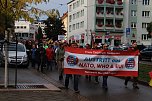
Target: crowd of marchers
<point>49,55</point>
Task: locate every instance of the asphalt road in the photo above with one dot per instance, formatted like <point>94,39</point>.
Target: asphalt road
<point>116,89</point>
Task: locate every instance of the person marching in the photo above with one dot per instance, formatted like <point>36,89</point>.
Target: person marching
<point>60,60</point>
<point>104,83</point>
<point>76,77</point>
<point>33,55</point>
<point>49,56</point>
<point>135,79</point>
<point>40,57</point>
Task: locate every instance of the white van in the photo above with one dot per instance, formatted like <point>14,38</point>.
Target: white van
<point>22,57</point>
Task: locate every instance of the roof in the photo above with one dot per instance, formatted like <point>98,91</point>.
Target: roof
<point>70,1</point>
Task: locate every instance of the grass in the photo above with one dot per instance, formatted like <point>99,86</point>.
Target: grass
<point>144,70</point>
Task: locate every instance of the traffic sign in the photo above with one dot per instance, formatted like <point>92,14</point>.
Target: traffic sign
<point>128,30</point>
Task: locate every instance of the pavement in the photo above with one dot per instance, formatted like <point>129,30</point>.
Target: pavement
<point>52,90</point>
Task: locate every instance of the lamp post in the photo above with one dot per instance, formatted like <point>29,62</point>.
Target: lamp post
<point>6,51</point>
<point>16,61</point>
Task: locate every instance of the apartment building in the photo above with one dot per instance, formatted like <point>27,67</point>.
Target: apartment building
<point>101,19</point>
<point>110,21</point>
<point>65,21</point>
<point>25,30</point>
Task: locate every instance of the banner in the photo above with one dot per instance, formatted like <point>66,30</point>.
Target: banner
<point>100,62</point>
<point>61,37</point>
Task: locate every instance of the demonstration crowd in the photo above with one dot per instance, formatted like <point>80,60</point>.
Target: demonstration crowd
<point>51,55</point>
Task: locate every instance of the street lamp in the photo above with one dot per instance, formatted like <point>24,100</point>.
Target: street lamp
<point>16,61</point>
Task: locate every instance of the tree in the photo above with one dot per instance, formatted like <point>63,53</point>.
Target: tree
<point>39,35</point>
<point>149,30</point>
<point>54,27</point>
<point>11,10</point>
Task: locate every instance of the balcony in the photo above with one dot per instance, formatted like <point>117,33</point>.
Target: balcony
<point>109,14</point>
<point>99,2</point>
<point>118,27</point>
<point>99,14</point>
<point>111,2</point>
<point>109,26</point>
<point>119,2</point>
<point>119,15</point>
<point>99,26</point>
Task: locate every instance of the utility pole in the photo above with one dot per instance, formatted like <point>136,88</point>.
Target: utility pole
<point>6,51</point>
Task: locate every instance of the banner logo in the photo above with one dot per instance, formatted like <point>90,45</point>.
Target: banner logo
<point>130,63</point>
<point>72,60</point>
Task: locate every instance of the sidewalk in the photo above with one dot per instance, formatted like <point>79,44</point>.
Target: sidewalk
<point>27,77</point>
<point>33,96</point>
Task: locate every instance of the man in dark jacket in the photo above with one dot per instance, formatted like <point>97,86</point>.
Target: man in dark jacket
<point>40,57</point>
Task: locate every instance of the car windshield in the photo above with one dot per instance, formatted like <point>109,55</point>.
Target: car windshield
<point>20,48</point>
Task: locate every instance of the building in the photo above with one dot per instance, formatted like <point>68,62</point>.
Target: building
<point>65,21</point>
<point>25,30</point>
<point>101,19</point>
<point>139,16</point>
<point>110,21</point>
<point>40,23</point>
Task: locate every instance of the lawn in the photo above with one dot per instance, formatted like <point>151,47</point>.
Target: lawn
<point>144,70</point>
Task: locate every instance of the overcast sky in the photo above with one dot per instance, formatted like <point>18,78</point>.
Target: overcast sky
<point>61,5</point>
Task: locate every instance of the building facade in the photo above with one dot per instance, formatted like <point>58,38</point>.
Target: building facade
<point>109,21</point>
<point>65,21</point>
<point>25,30</point>
<point>101,19</point>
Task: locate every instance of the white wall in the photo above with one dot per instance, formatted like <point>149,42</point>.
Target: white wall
<point>140,20</point>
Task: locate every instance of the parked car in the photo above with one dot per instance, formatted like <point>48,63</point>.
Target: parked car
<point>1,58</point>
<point>22,57</point>
<point>146,53</point>
<point>115,48</point>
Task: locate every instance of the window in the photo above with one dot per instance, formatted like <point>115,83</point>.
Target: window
<point>133,13</point>
<point>78,14</point>
<point>70,28</point>
<point>146,2</point>
<point>24,34</point>
<point>73,26</point>
<point>144,25</point>
<point>70,8</point>
<point>78,3</point>
<point>82,12</point>
<point>70,18</point>
<point>133,2</point>
<point>73,16</point>
<point>82,24</point>
<point>145,13</point>
<point>133,25</point>
<point>144,36</point>
<point>77,25</point>
<point>74,5</point>
<point>82,2</point>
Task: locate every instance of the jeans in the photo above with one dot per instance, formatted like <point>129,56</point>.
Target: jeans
<point>135,80</point>
<point>49,64</point>
<point>104,84</point>
<point>76,79</point>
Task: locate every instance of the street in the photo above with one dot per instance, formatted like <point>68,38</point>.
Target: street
<point>88,89</point>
